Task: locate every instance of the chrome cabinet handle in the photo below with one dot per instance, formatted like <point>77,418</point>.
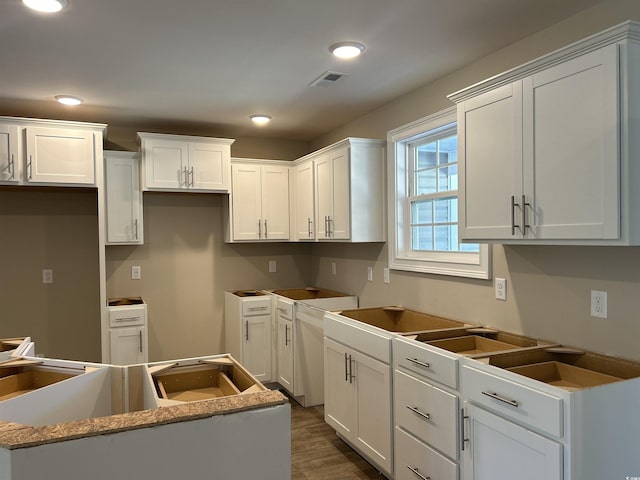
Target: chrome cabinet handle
<point>192,184</point>
<point>259,229</point>
<point>495,396</point>
<point>525,225</point>
<point>463,439</point>
<point>30,168</point>
<point>258,309</point>
<point>135,228</point>
<point>351,375</point>
<point>286,335</point>
<point>246,334</point>
<point>12,168</point>
<point>140,337</point>
<point>326,228</point>
<point>329,221</point>
<point>126,319</point>
<point>418,362</point>
<point>513,214</point>
<point>417,473</point>
<point>265,228</point>
<point>309,226</point>
<point>426,416</point>
<point>186,176</point>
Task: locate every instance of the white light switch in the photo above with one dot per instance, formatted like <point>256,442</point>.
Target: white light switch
<point>272,266</point>
<point>501,289</point>
<point>385,275</point>
<point>370,274</point>
<point>47,275</point>
<point>136,272</point>
<point>334,270</point>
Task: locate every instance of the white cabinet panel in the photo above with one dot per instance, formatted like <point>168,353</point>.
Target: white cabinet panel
<point>165,164</point>
<point>256,348</point>
<point>339,393</point>
<point>208,166</point>
<point>123,198</point>
<point>9,154</point>
<point>416,461</point>
<point>498,449</point>
<point>128,345</point>
<point>305,225</point>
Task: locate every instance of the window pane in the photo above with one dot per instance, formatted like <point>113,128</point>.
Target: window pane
<point>425,182</point>
<point>448,150</point>
<point>448,178</point>
<point>446,210</point>
<point>422,238</point>
<point>446,237</point>
<point>426,155</point>
<point>421,212</point>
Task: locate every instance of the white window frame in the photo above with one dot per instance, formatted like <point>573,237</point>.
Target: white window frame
<point>401,257</point>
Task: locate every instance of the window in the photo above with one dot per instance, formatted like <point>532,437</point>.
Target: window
<point>423,208</point>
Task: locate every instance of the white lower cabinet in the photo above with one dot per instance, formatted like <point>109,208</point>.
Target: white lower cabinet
<point>358,401</point>
<point>498,449</point>
<point>127,345</point>
<point>284,354</point>
<point>417,461</point>
<point>248,331</point>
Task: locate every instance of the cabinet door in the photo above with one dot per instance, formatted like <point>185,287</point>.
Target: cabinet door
<point>9,159</point>
<point>57,155</point>
<point>340,220</point>
<point>499,449</point>
<point>246,202</point>
<point>324,195</point>
<point>165,164</point>
<point>123,199</point>
<point>490,164</point>
<point>285,354</point>
<point>275,202</point>
<point>304,201</point>
<point>571,115</point>
<point>256,351</point>
<point>209,167</point>
<point>373,431</point>
<point>128,346</point>
<point>339,390</point>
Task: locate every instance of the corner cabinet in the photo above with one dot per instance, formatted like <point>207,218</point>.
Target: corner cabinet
<point>349,192</point>
<point>49,152</point>
<point>548,150</point>
<point>123,198</point>
<point>185,163</point>
<point>259,202</point>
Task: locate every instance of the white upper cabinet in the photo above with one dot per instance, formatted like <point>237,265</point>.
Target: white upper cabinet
<point>48,152</point>
<point>9,154</point>
<point>260,205</point>
<point>305,226</point>
<point>123,198</point>
<point>349,193</point>
<point>548,151</point>
<point>178,163</point>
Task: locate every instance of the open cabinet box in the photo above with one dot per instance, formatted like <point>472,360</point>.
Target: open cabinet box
<point>567,368</point>
<point>15,347</point>
<point>197,379</point>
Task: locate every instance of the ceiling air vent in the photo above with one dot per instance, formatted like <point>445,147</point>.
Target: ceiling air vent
<point>327,79</point>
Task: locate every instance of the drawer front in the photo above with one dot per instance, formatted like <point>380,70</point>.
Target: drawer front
<point>284,309</point>
<point>427,361</point>
<point>126,316</point>
<point>427,412</point>
<point>372,341</point>
<point>513,399</point>
<point>416,461</point>
<point>256,306</point>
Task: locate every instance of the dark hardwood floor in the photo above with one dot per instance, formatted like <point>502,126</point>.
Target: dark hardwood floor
<point>318,454</point>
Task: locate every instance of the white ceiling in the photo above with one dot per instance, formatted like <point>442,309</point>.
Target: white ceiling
<point>215,62</point>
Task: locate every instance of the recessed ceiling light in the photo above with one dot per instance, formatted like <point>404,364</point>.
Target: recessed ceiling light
<point>346,49</point>
<point>69,99</point>
<point>260,119</point>
<point>47,6</point>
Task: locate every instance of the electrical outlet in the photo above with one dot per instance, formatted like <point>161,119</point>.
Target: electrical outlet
<point>273,267</point>
<point>501,289</point>
<point>370,274</point>
<point>334,269</point>
<point>598,304</point>
<point>385,275</point>
<point>136,272</point>
<point>47,275</point>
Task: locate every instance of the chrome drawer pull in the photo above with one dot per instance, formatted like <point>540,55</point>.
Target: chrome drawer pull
<point>495,396</point>
<point>463,438</point>
<point>255,309</point>
<point>419,412</point>
<point>418,362</point>
<point>417,473</point>
<point>126,319</point>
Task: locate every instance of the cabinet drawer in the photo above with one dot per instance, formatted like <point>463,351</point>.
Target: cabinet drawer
<point>415,461</point>
<point>372,341</point>
<point>126,317</point>
<point>427,361</point>
<point>284,309</point>
<point>513,399</point>
<point>427,412</point>
<point>258,306</point>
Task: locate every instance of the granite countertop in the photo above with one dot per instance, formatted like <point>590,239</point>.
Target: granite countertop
<point>14,435</point>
